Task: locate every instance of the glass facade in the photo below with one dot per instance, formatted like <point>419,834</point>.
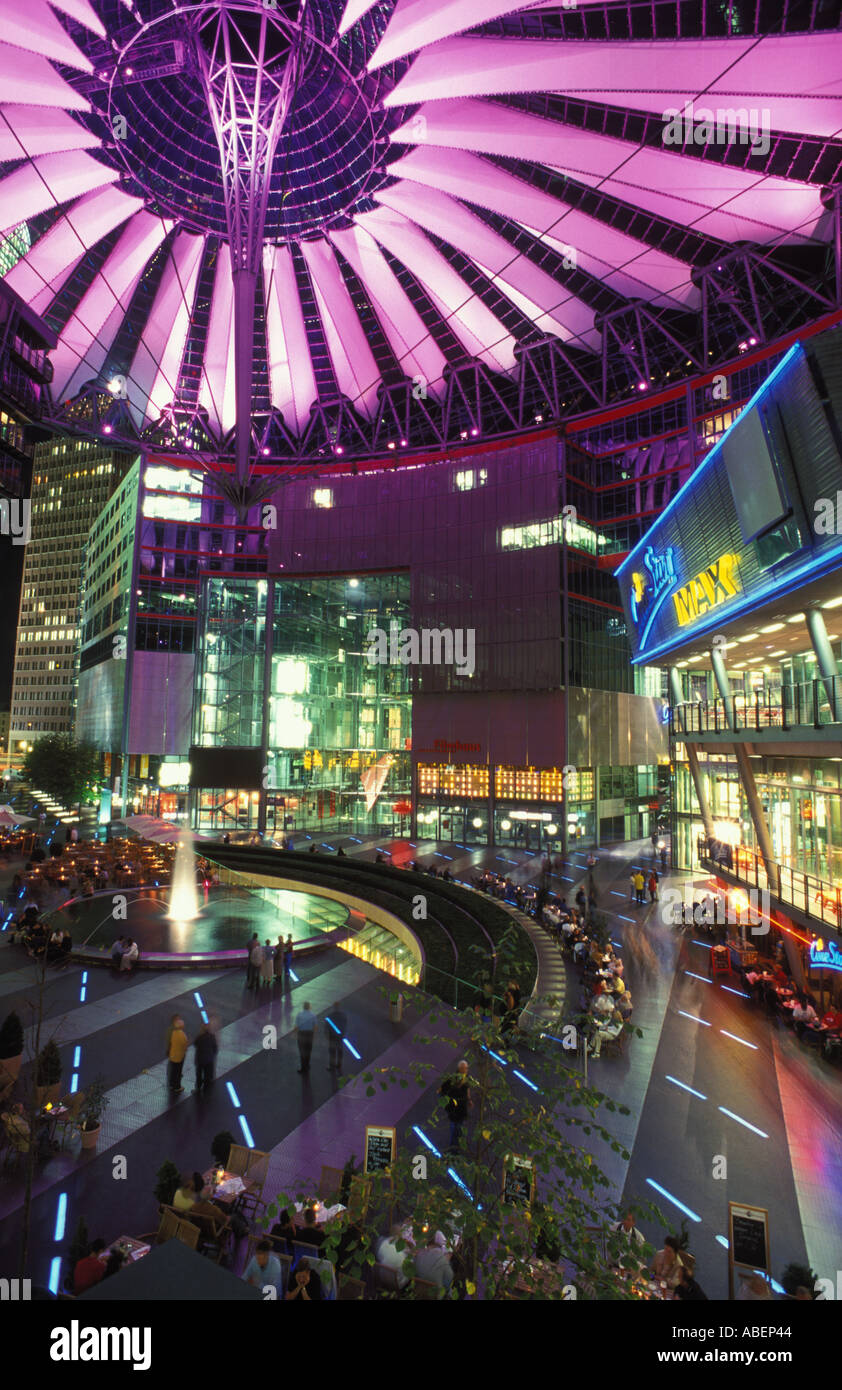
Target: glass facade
<point>334,727</point>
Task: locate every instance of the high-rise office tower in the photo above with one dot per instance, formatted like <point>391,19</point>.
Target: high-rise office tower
<point>71,481</point>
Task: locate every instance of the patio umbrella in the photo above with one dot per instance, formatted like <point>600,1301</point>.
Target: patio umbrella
<point>8,820</point>
<point>172,1273</point>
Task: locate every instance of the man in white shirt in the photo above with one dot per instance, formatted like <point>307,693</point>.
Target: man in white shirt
<point>803,1013</point>
<point>627,1228</point>
<point>389,1255</point>
<point>433,1265</point>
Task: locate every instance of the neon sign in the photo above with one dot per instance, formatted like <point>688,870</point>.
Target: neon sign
<point>827,957</point>
<point>647,587</point>
<point>716,584</point>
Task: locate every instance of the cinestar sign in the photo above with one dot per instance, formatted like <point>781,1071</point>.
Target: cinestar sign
<point>827,957</point>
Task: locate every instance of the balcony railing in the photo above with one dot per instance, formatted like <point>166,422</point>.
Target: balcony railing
<point>815,897</point>
<point>808,704</point>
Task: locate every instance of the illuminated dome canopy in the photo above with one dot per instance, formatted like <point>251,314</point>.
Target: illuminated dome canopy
<point>477,213</point>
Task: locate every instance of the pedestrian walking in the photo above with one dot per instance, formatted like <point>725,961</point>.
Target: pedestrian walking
<point>663,859</point>
<point>206,1048</point>
<point>458,1092</point>
<point>335,1037</point>
<point>255,960</point>
<point>176,1052</point>
<point>279,959</point>
<point>305,1028</point>
<point>288,961</point>
<point>267,964</point>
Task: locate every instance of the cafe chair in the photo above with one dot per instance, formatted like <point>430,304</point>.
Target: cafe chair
<point>327,1274</point>
<point>214,1236</point>
<point>350,1290</point>
<point>386,1279</point>
<point>238,1161</point>
<point>425,1290</point>
<point>188,1234</point>
<point>330,1184</point>
<point>167,1226</point>
<point>300,1251</point>
<point>72,1104</point>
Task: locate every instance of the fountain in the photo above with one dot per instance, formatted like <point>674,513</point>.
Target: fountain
<point>184,899</point>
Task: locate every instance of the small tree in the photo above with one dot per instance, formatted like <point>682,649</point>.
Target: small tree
<point>94,1105</point>
<point>221,1146</point>
<point>168,1179</point>
<point>48,1065</point>
<point>11,1037</point>
<point>65,769</point>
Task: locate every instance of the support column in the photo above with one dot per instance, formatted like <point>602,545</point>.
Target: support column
<point>826,660</point>
<point>692,759</point>
<point>268,629</point>
<point>746,772</point>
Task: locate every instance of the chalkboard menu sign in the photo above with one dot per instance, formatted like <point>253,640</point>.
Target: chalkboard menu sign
<point>379,1149</point>
<point>748,1229</point>
<point>518,1181</point>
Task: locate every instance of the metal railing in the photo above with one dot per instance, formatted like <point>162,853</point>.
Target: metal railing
<point>815,897</point>
<point>808,704</point>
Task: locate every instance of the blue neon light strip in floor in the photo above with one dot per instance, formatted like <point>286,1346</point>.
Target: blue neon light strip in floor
<point>670,1198</point>
<point>451,1172</point>
<point>199,1001</point>
<point>685,1087</point>
<point>55,1274</point>
<point>352,1049</point>
<point>525,1079</point>
<point>235,1099</point>
<point>742,994</point>
<point>694,976</point>
<point>741,1121</point>
<point>82,994</point>
<point>695,1018</point>
<point>614,894</point>
<point>77,1056</point>
<point>246,1131</point>
<point>294,977</point>
<point>61,1217</point>
<point>424,1140</point>
<point>624,919</point>
<point>205,1018</point>
<point>84,977</point>
<point>332,1024</point>
<point>723,1240</point>
<point>734,1037</point>
<point>74,1083</point>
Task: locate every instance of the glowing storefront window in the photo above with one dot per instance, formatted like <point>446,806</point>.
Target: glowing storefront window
<point>462,780</point>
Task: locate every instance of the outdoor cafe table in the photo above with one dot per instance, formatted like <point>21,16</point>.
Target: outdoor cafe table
<point>51,1118</point>
<point>228,1189</point>
<point>130,1246</point>
<point>322,1212</point>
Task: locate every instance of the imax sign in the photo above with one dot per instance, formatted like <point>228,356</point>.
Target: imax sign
<point>712,586</point>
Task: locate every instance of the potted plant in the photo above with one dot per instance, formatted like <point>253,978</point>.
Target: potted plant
<point>91,1111</point>
<point>11,1050</point>
<point>796,1277</point>
<point>47,1074</point>
<point>221,1147</point>
<point>168,1180</point>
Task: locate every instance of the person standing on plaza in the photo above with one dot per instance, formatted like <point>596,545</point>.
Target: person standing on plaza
<point>267,964</point>
<point>288,962</point>
<point>255,963</point>
<point>205,1056</point>
<point>176,1052</point>
<point>252,968</point>
<point>632,886</point>
<point>305,1027</point>
<point>639,885</point>
<point>458,1092</point>
<point>335,1037</point>
<point>653,887</point>
<point>279,959</point>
